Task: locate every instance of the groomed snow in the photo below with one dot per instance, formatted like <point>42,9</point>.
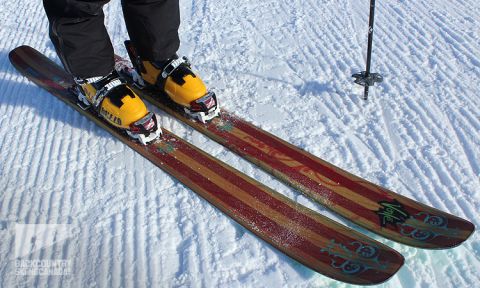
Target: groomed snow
<point>284,65</point>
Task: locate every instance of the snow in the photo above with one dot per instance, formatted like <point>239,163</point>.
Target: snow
<point>286,66</point>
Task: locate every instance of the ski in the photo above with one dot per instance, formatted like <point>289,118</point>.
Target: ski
<point>306,236</point>
<point>375,208</point>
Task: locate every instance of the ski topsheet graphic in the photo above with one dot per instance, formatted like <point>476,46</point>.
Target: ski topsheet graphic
<point>373,207</point>
<point>308,237</point>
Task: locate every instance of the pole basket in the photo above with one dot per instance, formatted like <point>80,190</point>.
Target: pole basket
<point>366,78</point>
<point>363,79</point>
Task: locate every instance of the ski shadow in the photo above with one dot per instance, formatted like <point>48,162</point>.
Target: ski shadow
<point>17,91</point>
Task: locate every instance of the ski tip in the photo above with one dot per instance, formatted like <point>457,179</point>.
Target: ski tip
<point>396,263</point>
<point>450,235</point>
<point>467,231</point>
<point>381,269</point>
<point>371,263</point>
<point>472,230</point>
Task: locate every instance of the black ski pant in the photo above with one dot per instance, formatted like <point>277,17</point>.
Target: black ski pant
<point>81,40</point>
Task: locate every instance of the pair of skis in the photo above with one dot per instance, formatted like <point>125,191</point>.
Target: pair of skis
<point>308,237</point>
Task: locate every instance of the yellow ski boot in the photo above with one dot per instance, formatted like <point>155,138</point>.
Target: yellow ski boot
<point>118,105</point>
<point>175,78</point>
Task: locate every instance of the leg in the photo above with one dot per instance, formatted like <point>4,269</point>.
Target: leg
<point>153,27</point>
<point>80,38</point>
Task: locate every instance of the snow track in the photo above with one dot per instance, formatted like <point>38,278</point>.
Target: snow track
<point>285,65</point>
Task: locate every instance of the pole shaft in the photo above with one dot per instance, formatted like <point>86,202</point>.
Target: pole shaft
<point>370,44</point>
<point>370,35</point>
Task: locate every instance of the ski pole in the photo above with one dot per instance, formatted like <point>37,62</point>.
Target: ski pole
<point>366,78</point>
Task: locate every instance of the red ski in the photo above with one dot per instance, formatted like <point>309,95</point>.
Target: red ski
<point>314,240</point>
<point>373,207</point>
